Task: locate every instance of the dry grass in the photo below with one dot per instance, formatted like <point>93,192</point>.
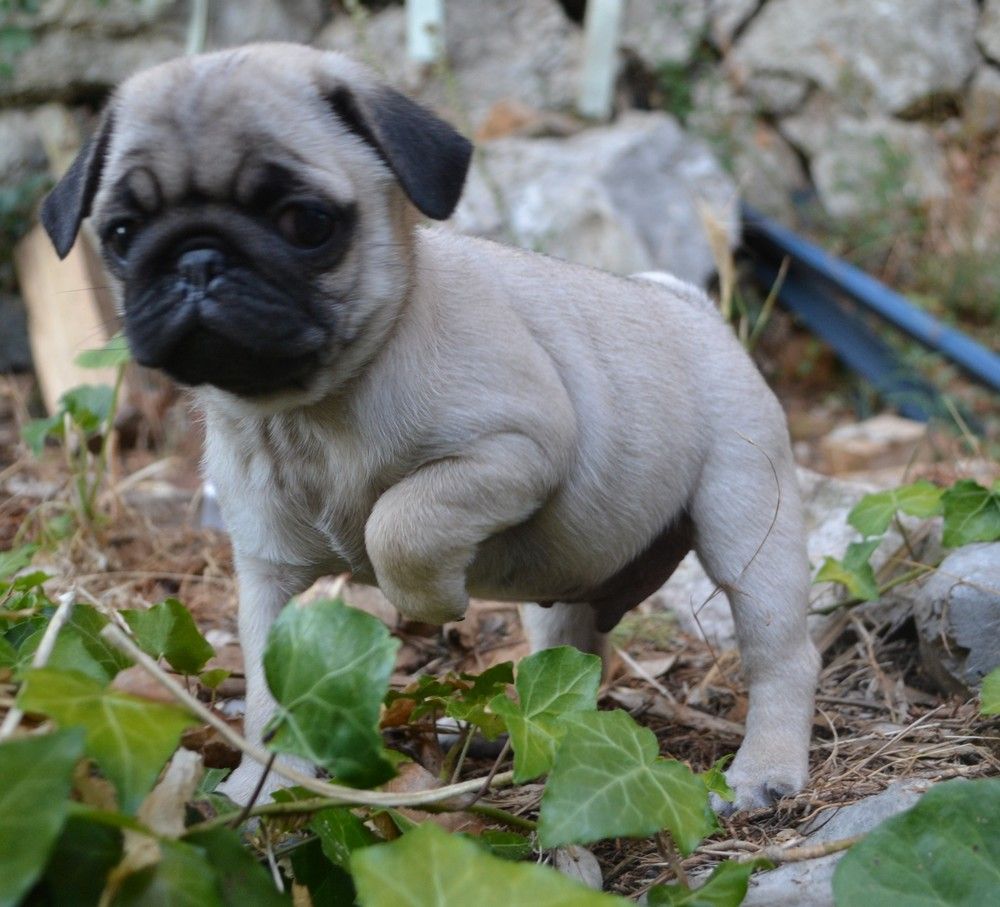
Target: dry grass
<point>878,717</point>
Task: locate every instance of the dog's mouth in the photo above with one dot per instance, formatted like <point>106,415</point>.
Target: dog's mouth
<point>203,356</point>
<point>243,336</point>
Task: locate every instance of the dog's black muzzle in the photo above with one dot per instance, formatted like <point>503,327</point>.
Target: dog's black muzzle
<point>212,308</point>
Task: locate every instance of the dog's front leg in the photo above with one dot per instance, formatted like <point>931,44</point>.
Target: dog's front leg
<point>423,532</point>
<point>265,589</point>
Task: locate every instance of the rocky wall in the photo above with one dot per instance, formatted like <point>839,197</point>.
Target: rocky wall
<point>844,103</point>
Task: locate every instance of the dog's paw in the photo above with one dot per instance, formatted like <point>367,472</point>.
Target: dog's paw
<point>757,785</point>
<point>751,796</point>
<point>242,783</point>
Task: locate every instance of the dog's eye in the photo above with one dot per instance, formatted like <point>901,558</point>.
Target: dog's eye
<point>305,226</point>
<point>119,236</point>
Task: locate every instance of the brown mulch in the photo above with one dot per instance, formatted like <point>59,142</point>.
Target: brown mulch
<point>878,719</point>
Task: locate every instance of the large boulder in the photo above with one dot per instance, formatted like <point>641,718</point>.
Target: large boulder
<point>72,63</point>
<point>626,197</point>
<point>727,17</point>
<point>809,883</point>
<point>860,164</point>
<point>957,612</point>
<point>701,609</point>
<point>767,170</point>
<point>892,56</point>
<point>265,20</point>
<point>523,50</point>
<point>21,150</point>
<point>664,32</point>
<point>981,116</point>
<point>988,34</point>
<point>83,49</point>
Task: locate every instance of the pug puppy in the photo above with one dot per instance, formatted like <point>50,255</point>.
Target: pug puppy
<point>439,415</point>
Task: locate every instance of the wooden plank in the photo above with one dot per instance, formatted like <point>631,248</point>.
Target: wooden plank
<point>64,314</point>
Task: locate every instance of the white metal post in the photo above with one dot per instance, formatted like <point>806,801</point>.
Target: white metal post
<point>602,25</point>
<point>424,30</point>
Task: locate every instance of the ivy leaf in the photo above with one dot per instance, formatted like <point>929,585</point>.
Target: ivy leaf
<point>874,512</point>
<point>79,865</point>
<point>34,799</point>
<point>183,877</point>
<point>13,560</point>
<point>328,885</point>
<point>989,694</point>
<point>113,354</point>
<point>971,513</point>
<point>80,647</point>
<point>130,738</point>
<point>8,654</point>
<point>168,630</point>
<point>854,571</point>
<point>213,679</point>
<point>465,697</point>
<point>715,779</point>
<point>551,684</point>
<point>341,833</point>
<point>328,666</point>
<point>507,845</point>
<point>473,703</point>
<point>427,867</point>
<point>943,851</point>
<point>725,887</point>
<point>609,781</point>
<point>34,432</point>
<point>240,878</point>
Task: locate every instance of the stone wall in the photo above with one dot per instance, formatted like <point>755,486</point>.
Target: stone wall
<point>850,103</point>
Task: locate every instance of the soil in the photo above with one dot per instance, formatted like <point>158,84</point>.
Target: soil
<point>879,717</point>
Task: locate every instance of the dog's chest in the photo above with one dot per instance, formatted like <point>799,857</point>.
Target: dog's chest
<point>295,492</point>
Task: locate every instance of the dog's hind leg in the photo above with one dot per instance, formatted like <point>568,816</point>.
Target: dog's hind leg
<point>750,537</point>
<point>562,624</point>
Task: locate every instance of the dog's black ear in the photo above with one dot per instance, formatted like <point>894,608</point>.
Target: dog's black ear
<point>68,204</point>
<point>428,157</point>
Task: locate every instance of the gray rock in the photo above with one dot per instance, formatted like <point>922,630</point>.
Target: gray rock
<point>121,17</point>
<point>957,611</point>
<point>623,197</point>
<point>661,32</point>
<point>861,164</point>
<point>21,149</point>
<point>265,20</point>
<point>691,595</point>
<point>64,63</point>
<point>981,116</point>
<point>986,216</point>
<point>525,50</point>
<point>892,55</point>
<point>826,500</point>
<point>778,93</point>
<point>767,170</point>
<point>988,34</point>
<point>727,17</point>
<point>88,47</point>
<point>808,884</point>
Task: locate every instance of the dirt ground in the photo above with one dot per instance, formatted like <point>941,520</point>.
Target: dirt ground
<point>879,717</point>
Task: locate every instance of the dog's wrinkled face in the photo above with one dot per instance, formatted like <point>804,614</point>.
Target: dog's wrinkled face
<point>248,203</point>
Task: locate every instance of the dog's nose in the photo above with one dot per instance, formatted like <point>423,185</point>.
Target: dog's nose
<point>199,266</point>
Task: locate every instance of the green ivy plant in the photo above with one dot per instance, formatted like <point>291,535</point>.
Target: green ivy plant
<point>969,512</point>
<point>81,824</point>
<point>83,420</point>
